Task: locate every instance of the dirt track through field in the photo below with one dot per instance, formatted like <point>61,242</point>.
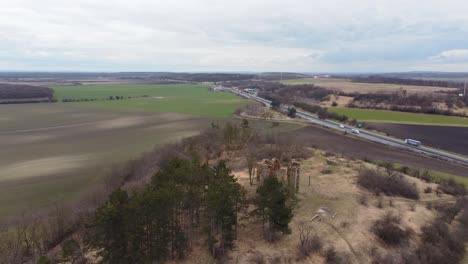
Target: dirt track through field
<point>348,146</point>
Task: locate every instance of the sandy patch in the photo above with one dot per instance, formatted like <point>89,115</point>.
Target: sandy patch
<point>120,122</point>
<point>157,97</point>
<point>41,167</point>
<point>23,139</point>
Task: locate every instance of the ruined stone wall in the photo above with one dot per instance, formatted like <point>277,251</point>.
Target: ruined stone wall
<point>272,168</point>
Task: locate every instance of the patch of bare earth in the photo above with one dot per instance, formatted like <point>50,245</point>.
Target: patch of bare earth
<point>351,87</point>
<point>42,167</point>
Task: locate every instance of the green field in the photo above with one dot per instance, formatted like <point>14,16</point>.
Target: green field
<point>194,99</point>
<point>385,116</point>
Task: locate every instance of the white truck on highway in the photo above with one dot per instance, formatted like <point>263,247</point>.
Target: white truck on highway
<point>412,142</point>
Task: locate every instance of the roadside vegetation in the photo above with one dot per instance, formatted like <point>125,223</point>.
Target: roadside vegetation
<point>431,175</point>
<point>390,184</point>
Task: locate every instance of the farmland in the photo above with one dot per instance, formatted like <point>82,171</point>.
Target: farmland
<point>385,116</point>
<point>345,85</point>
<point>191,99</point>
<point>53,152</point>
<point>449,138</point>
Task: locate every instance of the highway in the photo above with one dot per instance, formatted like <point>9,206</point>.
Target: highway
<point>364,134</point>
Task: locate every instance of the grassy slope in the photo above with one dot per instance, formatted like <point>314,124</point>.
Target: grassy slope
<point>385,116</point>
<point>192,99</point>
<point>438,175</point>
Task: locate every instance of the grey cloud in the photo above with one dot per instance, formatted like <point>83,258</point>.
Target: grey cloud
<point>297,35</point>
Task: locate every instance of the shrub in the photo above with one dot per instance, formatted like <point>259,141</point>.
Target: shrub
<point>380,203</point>
<point>452,187</point>
<point>256,258</point>
<point>428,189</point>
<point>45,260</point>
<point>393,185</point>
<point>332,257</point>
<point>448,211</point>
<point>439,244</point>
<point>364,200</point>
<point>308,242</point>
<point>388,230</point>
<point>425,176</point>
<point>309,246</point>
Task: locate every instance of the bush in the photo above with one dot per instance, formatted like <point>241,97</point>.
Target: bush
<point>45,260</point>
<point>308,247</point>
<point>452,187</point>
<point>393,185</point>
<point>363,200</point>
<point>257,258</point>
<point>440,245</point>
<point>308,242</point>
<point>448,211</point>
<point>389,231</point>
<point>332,257</point>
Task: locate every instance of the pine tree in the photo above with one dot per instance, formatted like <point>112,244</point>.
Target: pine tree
<point>224,199</point>
<point>108,230</point>
<point>273,207</point>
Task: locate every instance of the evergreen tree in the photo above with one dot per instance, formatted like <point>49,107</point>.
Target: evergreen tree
<point>224,199</point>
<point>108,230</point>
<point>273,207</point>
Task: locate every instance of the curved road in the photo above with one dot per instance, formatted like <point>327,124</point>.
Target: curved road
<point>365,134</point>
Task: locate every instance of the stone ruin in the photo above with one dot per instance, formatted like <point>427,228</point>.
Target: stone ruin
<point>289,174</point>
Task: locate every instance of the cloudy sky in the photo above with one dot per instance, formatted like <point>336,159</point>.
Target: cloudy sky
<point>234,35</point>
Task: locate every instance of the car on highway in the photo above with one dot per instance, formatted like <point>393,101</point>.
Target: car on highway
<point>355,131</point>
<point>342,126</point>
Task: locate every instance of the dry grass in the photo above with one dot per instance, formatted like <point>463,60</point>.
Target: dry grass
<point>347,86</point>
<point>342,221</point>
<point>340,100</point>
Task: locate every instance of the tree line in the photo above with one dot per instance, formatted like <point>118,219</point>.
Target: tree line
<point>405,81</point>
<point>185,200</point>
<point>10,92</point>
<point>109,98</point>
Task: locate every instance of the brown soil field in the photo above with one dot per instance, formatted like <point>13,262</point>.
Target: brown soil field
<point>346,85</point>
<point>453,139</point>
<point>56,152</point>
<point>355,148</point>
